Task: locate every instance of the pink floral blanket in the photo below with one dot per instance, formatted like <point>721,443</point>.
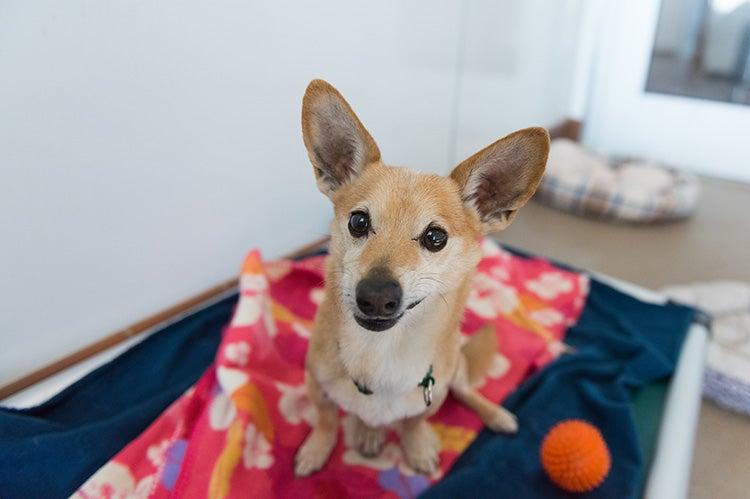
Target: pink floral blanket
<point>235,433</point>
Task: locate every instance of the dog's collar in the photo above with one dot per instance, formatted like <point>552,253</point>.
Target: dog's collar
<point>428,381</point>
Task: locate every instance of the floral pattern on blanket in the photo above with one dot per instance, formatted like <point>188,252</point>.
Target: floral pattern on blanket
<point>235,433</point>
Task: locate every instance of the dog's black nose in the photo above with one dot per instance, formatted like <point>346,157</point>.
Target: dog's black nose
<point>378,296</point>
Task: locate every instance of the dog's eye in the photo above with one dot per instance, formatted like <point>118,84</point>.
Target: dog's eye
<point>359,224</point>
<point>434,239</point>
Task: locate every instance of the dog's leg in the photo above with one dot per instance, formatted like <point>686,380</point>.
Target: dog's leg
<point>495,417</point>
<point>420,444</point>
<point>368,440</point>
<point>316,449</point>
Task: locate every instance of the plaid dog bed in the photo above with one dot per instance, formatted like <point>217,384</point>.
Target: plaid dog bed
<point>582,182</point>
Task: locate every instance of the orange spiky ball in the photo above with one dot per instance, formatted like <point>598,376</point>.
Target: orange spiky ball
<point>575,456</point>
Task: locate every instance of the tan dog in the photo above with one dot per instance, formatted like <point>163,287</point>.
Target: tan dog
<point>404,247</point>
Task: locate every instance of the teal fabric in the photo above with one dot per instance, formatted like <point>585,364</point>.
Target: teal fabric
<point>621,345</point>
<point>648,409</point>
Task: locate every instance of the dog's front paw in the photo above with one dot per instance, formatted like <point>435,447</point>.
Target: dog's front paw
<point>502,420</point>
<point>421,447</point>
<point>314,453</point>
<point>368,441</point>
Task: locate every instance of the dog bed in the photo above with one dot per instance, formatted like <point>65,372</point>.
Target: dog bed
<point>236,431</point>
<point>50,450</point>
<point>727,375</point>
<point>579,181</point>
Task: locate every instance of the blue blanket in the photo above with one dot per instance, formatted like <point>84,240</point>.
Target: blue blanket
<point>50,450</point>
<point>621,344</point>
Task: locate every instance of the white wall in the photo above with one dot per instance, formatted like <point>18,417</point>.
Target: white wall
<point>145,146</point>
<point>518,67</point>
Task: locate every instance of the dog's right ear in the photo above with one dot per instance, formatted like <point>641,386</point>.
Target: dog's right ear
<point>337,143</point>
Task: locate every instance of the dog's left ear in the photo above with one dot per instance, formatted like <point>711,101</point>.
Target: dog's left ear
<point>498,180</point>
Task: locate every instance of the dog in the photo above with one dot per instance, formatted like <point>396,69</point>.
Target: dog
<point>386,346</point>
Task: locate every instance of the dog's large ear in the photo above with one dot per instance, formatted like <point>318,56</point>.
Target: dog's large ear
<point>337,143</point>
<point>499,179</point>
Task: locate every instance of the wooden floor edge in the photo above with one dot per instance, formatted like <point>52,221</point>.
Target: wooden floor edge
<point>132,330</point>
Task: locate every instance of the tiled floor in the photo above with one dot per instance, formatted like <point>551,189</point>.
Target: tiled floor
<point>714,244</point>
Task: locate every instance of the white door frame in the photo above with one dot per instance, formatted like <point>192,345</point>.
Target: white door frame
<point>708,137</point>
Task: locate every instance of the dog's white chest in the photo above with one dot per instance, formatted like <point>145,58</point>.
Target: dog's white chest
<point>391,368</point>
<point>377,408</point>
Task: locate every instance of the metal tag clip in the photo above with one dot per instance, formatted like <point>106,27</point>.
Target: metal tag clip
<point>427,392</point>
<point>427,383</point>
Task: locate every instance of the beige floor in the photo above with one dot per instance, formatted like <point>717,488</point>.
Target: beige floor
<point>714,244</point>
